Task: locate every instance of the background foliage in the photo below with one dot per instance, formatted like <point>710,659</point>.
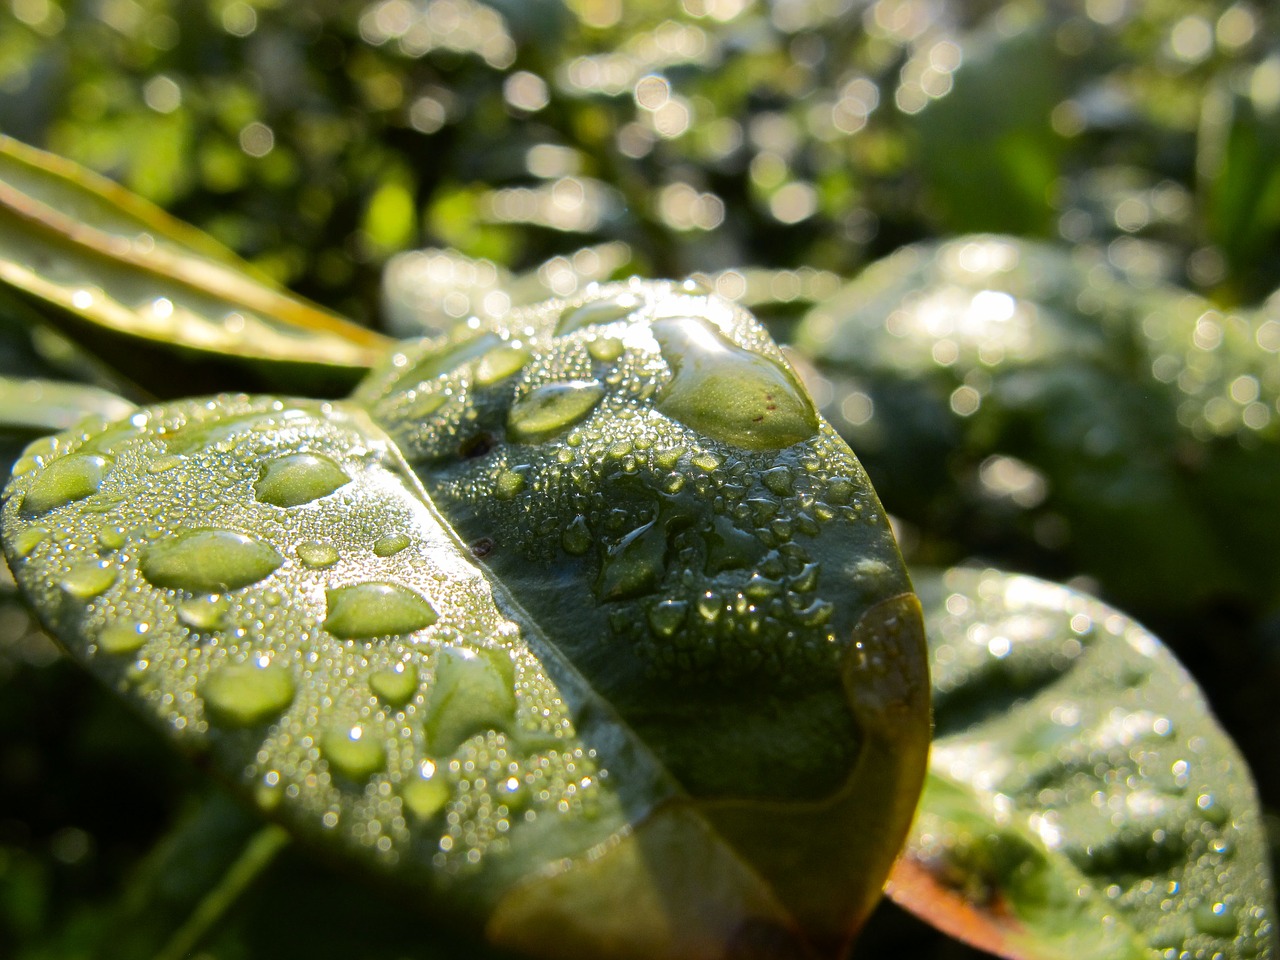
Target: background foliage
<point>773,148</point>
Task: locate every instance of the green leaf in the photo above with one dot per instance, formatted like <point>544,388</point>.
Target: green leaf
<point>640,650</point>
<point>1082,800</point>
<point>100,260</point>
<point>40,406</point>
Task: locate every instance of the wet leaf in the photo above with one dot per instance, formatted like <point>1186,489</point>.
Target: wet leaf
<point>568,653</point>
<point>42,406</point>
<point>101,260</point>
<point>1082,801</point>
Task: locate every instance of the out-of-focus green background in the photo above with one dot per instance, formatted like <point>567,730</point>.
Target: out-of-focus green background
<point>774,149</point>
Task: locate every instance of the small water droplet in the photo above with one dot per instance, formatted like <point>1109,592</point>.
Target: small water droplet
<point>353,752</point>
<point>375,609</point>
<point>298,478</point>
<point>247,694</point>
<point>123,636</point>
<point>667,616</point>
<point>729,393</point>
<point>473,691</point>
<point>595,312</point>
<point>317,555</point>
<point>576,538</point>
<point>64,481</point>
<point>508,484</point>
<point>500,363</point>
<point>390,544</point>
<point>208,560</point>
<point>396,685</point>
<point>203,613</point>
<point>552,408</point>
<point>87,580</point>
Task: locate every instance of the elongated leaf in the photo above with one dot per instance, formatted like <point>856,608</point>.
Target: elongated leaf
<point>93,254</point>
<point>41,406</point>
<point>686,678</point>
<point>1082,801</point>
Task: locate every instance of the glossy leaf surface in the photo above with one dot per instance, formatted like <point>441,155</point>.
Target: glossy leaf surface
<point>98,258</point>
<point>1082,801</point>
<point>701,693</point>
<point>1017,396</point>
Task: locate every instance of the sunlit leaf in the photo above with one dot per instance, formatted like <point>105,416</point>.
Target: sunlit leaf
<point>35,406</point>
<point>1082,800</point>
<point>637,674</point>
<point>93,254</point>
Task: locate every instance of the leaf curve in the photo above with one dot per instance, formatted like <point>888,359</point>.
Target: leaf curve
<point>101,258</point>
<point>486,752</point>
<point>1081,800</point>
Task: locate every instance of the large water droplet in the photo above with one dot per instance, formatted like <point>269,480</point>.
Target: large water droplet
<point>729,393</point>
<point>246,694</point>
<point>390,544</point>
<point>576,538</point>
<point>364,610</point>
<point>634,566</point>
<point>597,311</point>
<point>474,691</point>
<point>298,478</point>
<point>667,616</point>
<point>203,613</point>
<point>29,539</point>
<point>552,408</point>
<point>1216,919</point>
<point>64,481</point>
<point>121,637</point>
<point>206,560</point>
<point>87,580</point>
<point>396,685</point>
<point>500,363</point>
<point>729,548</point>
<point>508,484</point>
<point>426,794</point>
<point>353,752</point>
<point>317,555</point>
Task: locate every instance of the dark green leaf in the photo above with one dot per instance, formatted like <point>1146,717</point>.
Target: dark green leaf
<point>1082,800</point>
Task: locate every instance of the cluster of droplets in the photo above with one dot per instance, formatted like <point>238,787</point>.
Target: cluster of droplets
<point>1154,810</point>
<point>658,441</point>
<point>263,578</point>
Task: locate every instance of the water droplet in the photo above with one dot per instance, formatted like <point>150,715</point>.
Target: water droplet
<point>396,685</point>
<point>203,613</point>
<point>121,637</point>
<point>64,481</point>
<point>364,610</point>
<point>164,464</point>
<point>317,555</point>
<point>576,538</point>
<point>1211,809</point>
<point>87,580</point>
<point>729,393</point>
<point>667,616</point>
<point>425,796</point>
<point>111,536</point>
<point>597,311</point>
<point>729,548</point>
<point>298,478</point>
<point>508,484</point>
<point>605,349</point>
<point>779,480</point>
<point>352,752</point>
<point>552,408</point>
<point>247,694</point>
<point>705,461</point>
<point>473,691</point>
<point>454,355</point>
<point>500,363</point>
<point>29,539</point>
<point>709,606</point>
<point>1216,919</point>
<point>391,544</point>
<point>634,565</point>
<point>206,560</point>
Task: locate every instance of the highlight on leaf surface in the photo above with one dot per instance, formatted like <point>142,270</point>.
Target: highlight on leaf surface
<point>633,631</point>
<point>93,255</point>
<point>1081,800</point>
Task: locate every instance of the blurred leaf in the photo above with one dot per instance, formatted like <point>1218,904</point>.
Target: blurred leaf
<point>42,406</point>
<point>1082,801</point>
<point>93,254</point>
<point>708,703</point>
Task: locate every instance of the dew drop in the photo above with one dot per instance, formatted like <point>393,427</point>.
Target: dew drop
<point>164,464</point>
<point>633,566</point>
<point>667,616</point>
<point>246,694</point>
<point>207,560</point>
<point>375,609</point>
<point>424,796</point>
<point>576,538</point>
<point>64,481</point>
<point>203,613</point>
<point>595,312</point>
<point>298,478</point>
<point>454,355</point>
<point>111,536</point>
<point>508,484</point>
<point>500,363</point>
<point>391,544</point>
<point>352,752</point>
<point>396,685</point>
<point>728,393</point>
<point>473,691</point>
<point>26,541</point>
<point>122,636</point>
<point>1216,919</point>
<point>779,480</point>
<point>87,580</point>
<point>1211,809</point>
<point>317,555</point>
<point>605,349</point>
<point>552,408</point>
